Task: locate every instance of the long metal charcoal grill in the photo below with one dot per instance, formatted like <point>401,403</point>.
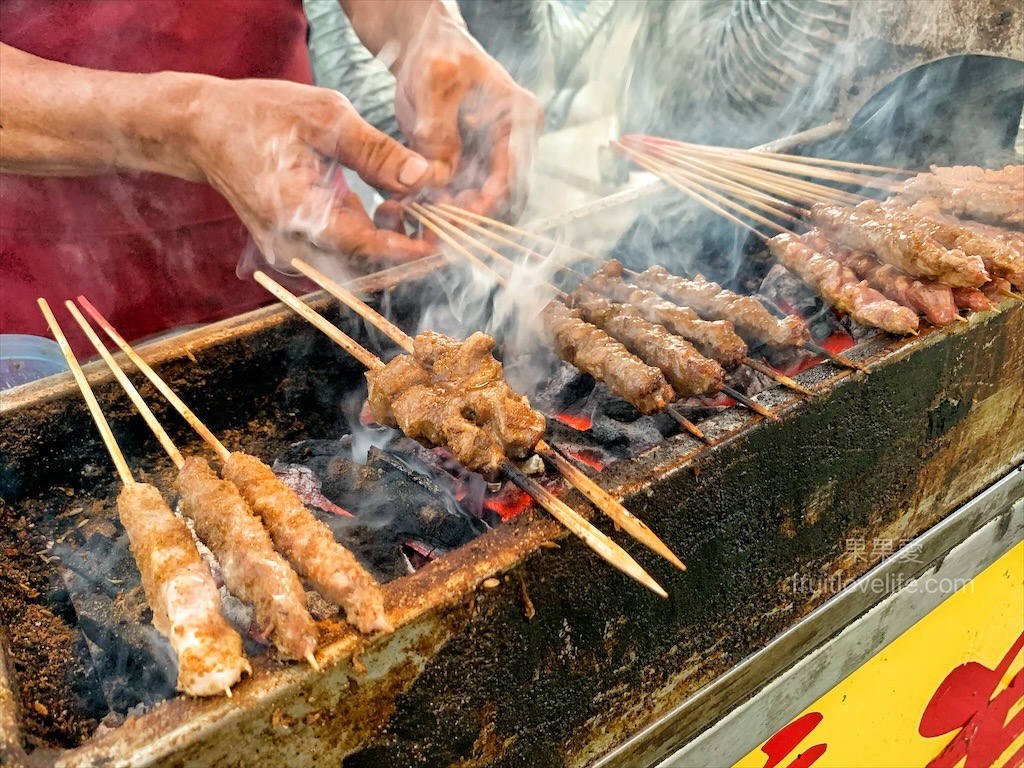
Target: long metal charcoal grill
<point>565,658</point>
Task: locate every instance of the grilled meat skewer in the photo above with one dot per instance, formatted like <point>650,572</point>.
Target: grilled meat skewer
<point>308,543</point>
<point>716,339</point>
<point>750,317</point>
<point>995,197</point>
<point>999,259</point>
<point>252,568</point>
<point>840,287</point>
<point>686,370</point>
<point>182,594</point>
<point>1002,251</point>
<point>593,351</point>
<point>867,228</point>
<point>454,394</point>
<point>933,300</point>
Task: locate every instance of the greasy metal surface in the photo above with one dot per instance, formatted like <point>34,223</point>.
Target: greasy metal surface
<point>948,552</point>
<point>890,37</point>
<point>470,680</point>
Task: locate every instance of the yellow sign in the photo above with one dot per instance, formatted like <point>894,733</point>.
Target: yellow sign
<point>947,693</point>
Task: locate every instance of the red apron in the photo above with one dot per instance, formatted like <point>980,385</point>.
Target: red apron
<point>150,251</point>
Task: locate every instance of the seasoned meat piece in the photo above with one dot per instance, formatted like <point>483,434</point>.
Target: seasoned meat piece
<point>182,594</point>
<point>972,299</point>
<point>934,300</point>
<point>595,352</point>
<point>253,571</point>
<point>386,383</point>
<point>866,227</point>
<point>308,543</point>
<point>716,339</point>
<point>750,317</point>
<point>840,287</point>
<point>684,368</point>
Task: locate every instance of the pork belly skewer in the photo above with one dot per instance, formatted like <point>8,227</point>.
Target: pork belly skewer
<point>176,580</point>
<point>404,373</point>
<point>580,481</point>
<point>933,300</point>
<point>306,541</point>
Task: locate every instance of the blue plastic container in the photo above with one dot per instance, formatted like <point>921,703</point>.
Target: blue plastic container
<point>26,358</point>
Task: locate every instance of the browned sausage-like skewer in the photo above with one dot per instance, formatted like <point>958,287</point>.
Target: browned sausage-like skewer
<point>252,568</point>
<point>308,543</point>
<point>182,594</point>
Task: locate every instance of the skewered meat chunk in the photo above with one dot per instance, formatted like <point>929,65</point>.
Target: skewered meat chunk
<point>182,594</point>
<point>308,543</point>
<point>470,368</point>
<point>972,299</point>
<point>685,369</point>
<point>866,227</point>
<point>454,394</point>
<point>934,300</point>
<point>253,570</point>
<point>991,196</point>
<point>595,352</point>
<point>1002,256</point>
<point>840,287</point>
<point>386,383</point>
<point>716,339</point>
<point>750,317</point>
<point>930,208</point>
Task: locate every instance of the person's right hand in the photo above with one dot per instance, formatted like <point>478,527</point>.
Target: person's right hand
<point>275,150</point>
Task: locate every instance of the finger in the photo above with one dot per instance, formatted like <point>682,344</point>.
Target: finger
<point>436,133</point>
<point>351,232</point>
<point>376,157</point>
<point>390,215</point>
<point>495,193</point>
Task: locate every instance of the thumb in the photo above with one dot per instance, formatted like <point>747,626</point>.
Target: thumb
<point>378,159</point>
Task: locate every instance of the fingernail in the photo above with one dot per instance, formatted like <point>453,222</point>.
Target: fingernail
<point>413,170</point>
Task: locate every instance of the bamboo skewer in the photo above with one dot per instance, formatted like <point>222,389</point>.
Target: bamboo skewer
<point>157,382</point>
<point>579,480</point>
<point>120,464</point>
<point>686,424</point>
<point>771,373</point>
<point>133,393</point>
<point>810,346</point>
<point>739,397</point>
<point>576,523</point>
<point>809,160</point>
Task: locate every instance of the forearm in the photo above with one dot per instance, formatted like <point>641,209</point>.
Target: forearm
<point>57,119</point>
<point>389,27</point>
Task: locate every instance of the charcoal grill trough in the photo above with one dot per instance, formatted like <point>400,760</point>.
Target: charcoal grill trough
<point>519,647</point>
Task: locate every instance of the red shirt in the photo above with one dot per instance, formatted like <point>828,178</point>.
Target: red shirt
<point>150,251</point>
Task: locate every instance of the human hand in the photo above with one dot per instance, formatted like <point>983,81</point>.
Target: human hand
<point>463,112</point>
<point>276,151</point>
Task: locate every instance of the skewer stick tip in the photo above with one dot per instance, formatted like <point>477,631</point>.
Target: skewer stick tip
<point>312,661</point>
<point>227,692</point>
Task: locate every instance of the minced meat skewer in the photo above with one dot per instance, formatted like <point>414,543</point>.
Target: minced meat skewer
<point>750,317</point>
<point>716,339</point>
<point>867,228</point>
<point>840,287</point>
<point>1000,250</point>
<point>933,300</point>
<point>182,594</point>
<point>995,197</point>
<point>593,351</point>
<point>999,258</point>
<point>253,570</point>
<point>686,370</point>
<point>308,543</point>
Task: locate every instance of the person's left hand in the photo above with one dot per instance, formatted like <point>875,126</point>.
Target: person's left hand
<point>464,113</point>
